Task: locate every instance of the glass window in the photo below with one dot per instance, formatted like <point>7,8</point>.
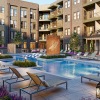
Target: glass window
<point>78,15</point>
<point>74,29</point>
<point>15,12</point>
<point>11,12</point>
<point>2,21</point>
<point>78,1</point>
<point>68,17</point>
<point>2,10</point>
<point>78,29</point>
<point>68,3</point>
<point>75,2</point>
<point>68,31</point>
<point>65,31</point>
<point>65,18</point>
<point>74,16</point>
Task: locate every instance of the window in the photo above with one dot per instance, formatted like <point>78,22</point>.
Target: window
<point>66,4</point>
<point>24,35</point>
<point>23,13</point>
<point>78,29</point>
<point>65,18</point>
<point>23,24</point>
<point>78,15</point>
<point>2,9</point>
<point>75,29</point>
<point>33,25</point>
<point>13,23</point>
<point>13,12</point>
<point>1,21</point>
<point>2,33</point>
<point>68,17</point>
<point>75,2</point>
<point>68,31</point>
<point>65,31</point>
<point>78,1</point>
<point>12,34</point>
<point>75,16</point>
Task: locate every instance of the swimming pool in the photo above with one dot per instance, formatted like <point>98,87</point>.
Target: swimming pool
<point>65,68</point>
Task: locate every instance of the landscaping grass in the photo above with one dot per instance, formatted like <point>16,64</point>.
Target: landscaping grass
<point>24,63</point>
<point>5,56</point>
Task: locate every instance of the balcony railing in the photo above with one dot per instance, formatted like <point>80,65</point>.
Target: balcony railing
<point>52,27</point>
<point>60,12</point>
<point>53,15</point>
<point>60,24</point>
<point>93,17</point>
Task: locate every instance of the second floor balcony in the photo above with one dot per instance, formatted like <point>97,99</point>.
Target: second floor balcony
<point>53,27</point>
<point>43,29</point>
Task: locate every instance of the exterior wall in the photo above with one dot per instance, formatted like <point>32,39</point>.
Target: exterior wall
<point>18,4</point>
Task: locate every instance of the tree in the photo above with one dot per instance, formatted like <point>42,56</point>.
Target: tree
<point>17,38</point>
<point>74,42</point>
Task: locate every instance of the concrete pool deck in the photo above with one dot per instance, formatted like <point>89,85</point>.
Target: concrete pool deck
<point>76,90</point>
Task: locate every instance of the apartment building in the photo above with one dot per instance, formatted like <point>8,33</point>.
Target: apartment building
<point>44,24</point>
<point>19,16</point>
<point>91,24</point>
<point>66,18</point>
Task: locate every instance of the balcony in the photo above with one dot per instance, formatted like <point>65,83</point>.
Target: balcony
<point>60,34</point>
<point>60,12</point>
<point>53,27</point>
<point>94,17</point>
<point>87,3</point>
<point>52,16</point>
<point>42,39</point>
<point>60,24</point>
<point>42,29</point>
<point>52,7</point>
<point>43,19</point>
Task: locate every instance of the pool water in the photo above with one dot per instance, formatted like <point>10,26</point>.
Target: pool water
<point>69,69</point>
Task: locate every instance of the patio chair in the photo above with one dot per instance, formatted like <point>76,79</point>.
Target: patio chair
<point>91,77</point>
<point>41,85</point>
<point>77,55</point>
<point>18,78</point>
<point>85,55</point>
<point>90,57</point>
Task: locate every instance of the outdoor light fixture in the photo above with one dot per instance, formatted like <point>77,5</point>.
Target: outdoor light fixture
<point>25,58</point>
<point>98,91</point>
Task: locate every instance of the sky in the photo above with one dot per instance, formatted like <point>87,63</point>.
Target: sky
<point>41,2</point>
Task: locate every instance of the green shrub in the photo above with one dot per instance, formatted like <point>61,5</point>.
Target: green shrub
<point>53,56</point>
<point>5,56</point>
<point>24,63</point>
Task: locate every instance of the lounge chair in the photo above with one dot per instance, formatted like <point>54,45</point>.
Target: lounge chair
<point>90,57</point>
<point>85,55</point>
<point>18,78</point>
<point>91,77</point>
<point>40,85</point>
<point>77,55</point>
